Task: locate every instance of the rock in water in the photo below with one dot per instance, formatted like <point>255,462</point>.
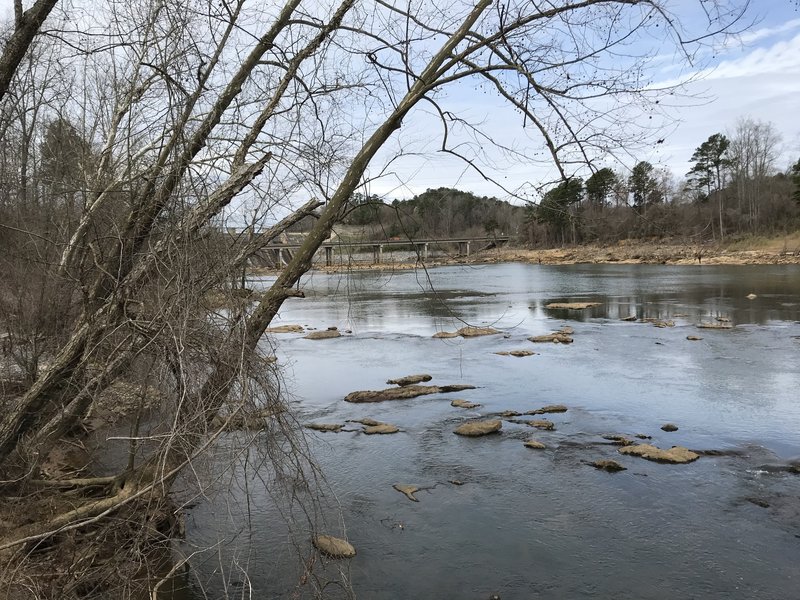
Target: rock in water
<point>464,404</point>
<point>478,428</point>
<point>445,334</point>
<point>751,296</point>
<point>571,305</point>
<point>508,413</point>
<point>335,427</point>
<point>403,393</point>
<point>611,466</point>
<point>693,338</point>
<point>323,335</point>
<point>517,353</point>
<point>550,408</point>
<point>557,338</point>
<point>542,424</point>
<point>676,454</point>
<point>366,421</point>
<point>476,331</point>
<point>535,444</point>
<point>408,490</point>
<point>285,329</point>
<point>333,546</point>
<point>714,325</point>
<point>381,428</point>
<point>619,440</point>
<point>409,380</point>
<point>669,427</point>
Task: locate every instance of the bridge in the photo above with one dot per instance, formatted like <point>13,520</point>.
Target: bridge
<point>278,254</point>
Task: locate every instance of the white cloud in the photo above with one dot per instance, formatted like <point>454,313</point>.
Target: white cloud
<point>750,37</point>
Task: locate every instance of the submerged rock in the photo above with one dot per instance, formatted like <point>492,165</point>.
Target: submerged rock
<point>535,444</point>
<point>517,353</point>
<point>404,393</point>
<point>676,454</point>
<point>334,427</point>
<point>643,436</point>
<point>629,318</point>
<point>619,440</point>
<point>571,305</point>
<point>611,466</point>
<point>459,403</point>
<point>557,338</point>
<point>366,421</point>
<point>478,428</point>
<point>409,380</point>
<point>542,424</point>
<point>285,329</point>
<point>407,490</point>
<point>333,546</point>
<point>758,501</point>
<point>669,427</point>
<point>663,324</point>
<point>550,408</point>
<point>706,325</point>
<point>508,413</point>
<point>693,338</point>
<point>323,335</point>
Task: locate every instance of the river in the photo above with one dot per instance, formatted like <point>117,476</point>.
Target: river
<point>534,523</point>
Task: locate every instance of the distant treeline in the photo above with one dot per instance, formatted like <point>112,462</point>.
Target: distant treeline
<point>439,213</point>
<point>733,188</point>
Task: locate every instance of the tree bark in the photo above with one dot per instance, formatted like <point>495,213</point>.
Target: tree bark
<point>26,26</point>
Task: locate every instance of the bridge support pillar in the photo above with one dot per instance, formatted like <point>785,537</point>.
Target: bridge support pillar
<point>424,251</point>
<point>377,254</point>
<point>328,256</point>
<point>281,261</point>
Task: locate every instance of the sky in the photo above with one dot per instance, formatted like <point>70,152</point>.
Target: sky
<point>756,76</point>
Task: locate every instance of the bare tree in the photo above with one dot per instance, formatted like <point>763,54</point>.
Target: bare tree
<point>26,26</point>
<point>188,110</point>
<point>753,151</point>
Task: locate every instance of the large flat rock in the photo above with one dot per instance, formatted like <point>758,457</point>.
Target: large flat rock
<point>478,428</point>
<point>676,454</point>
<point>404,393</point>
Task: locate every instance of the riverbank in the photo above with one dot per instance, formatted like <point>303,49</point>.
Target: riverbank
<point>750,251</point>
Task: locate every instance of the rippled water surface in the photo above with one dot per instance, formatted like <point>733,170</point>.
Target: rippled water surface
<point>539,523</point>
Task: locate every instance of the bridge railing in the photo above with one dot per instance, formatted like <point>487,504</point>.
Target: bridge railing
<point>362,250</point>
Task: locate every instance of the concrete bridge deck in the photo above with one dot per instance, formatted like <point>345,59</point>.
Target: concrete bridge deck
<point>421,246</point>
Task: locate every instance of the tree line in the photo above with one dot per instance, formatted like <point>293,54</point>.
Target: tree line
<point>734,187</point>
<point>436,213</point>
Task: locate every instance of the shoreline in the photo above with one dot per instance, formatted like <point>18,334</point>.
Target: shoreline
<point>622,253</point>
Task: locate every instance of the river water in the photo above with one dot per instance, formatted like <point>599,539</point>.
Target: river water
<point>535,523</point>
